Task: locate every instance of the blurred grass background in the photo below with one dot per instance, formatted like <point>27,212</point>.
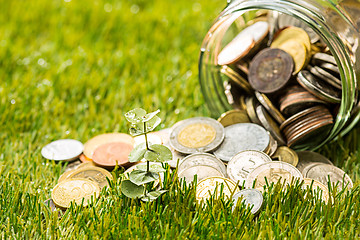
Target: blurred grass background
<point>71,69</point>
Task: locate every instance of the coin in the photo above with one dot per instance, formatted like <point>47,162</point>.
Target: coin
<point>240,137</point>
<point>83,158</point>
<point>318,88</point>
<point>111,154</point>
<point>292,33</point>
<point>203,159</point>
<point>272,146</point>
<point>200,171</point>
<point>199,134</point>
<point>243,163</point>
<point>95,174</point>
<point>269,124</point>
<point>236,78</point>
<point>324,172</point>
<point>251,104</point>
<point>243,43</point>
<point>319,58</point>
<point>325,76</point>
<point>273,171</point>
<point>50,203</point>
<point>95,142</point>
<point>308,157</point>
<point>233,116</point>
<point>286,154</point>
<point>315,186</point>
<point>270,70</point>
<point>269,106</point>
<point>333,69</point>
<point>80,191</point>
<point>73,165</point>
<point>212,186</point>
<point>62,150</point>
<point>251,197</point>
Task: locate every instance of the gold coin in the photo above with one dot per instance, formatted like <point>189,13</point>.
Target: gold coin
<point>74,190</point>
<point>212,185</point>
<point>242,102</point>
<point>95,142</point>
<point>286,154</point>
<point>96,174</point>
<point>233,116</point>
<point>196,135</point>
<point>316,186</point>
<point>297,51</point>
<point>292,33</point>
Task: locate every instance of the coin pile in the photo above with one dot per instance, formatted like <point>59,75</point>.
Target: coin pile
<point>282,74</point>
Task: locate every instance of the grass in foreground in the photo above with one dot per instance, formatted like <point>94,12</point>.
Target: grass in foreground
<point>71,69</point>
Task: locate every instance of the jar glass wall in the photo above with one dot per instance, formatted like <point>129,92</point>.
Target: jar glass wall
<point>336,26</point>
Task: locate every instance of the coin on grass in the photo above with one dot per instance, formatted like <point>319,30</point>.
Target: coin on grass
<point>251,197</point>
<point>95,174</point>
<point>308,157</point>
<point>324,172</point>
<point>199,134</point>
<point>270,70</point>
<point>83,158</point>
<point>272,172</point>
<point>215,186</point>
<point>111,154</point>
<point>50,203</point>
<point>200,171</point>
<point>80,191</point>
<point>243,163</point>
<point>62,150</point>
<point>233,116</point>
<point>286,154</point>
<point>73,165</point>
<point>316,186</point>
<point>269,106</point>
<point>202,159</point>
<point>95,142</point>
<point>240,137</point>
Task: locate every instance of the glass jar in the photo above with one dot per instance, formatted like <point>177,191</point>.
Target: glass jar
<point>336,24</point>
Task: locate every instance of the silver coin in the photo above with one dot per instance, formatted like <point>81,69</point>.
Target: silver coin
<point>240,137</point>
<point>63,150</point>
<point>202,159</point>
<point>323,172</point>
<point>330,68</point>
<point>267,104</point>
<point>307,157</point>
<point>269,124</point>
<point>251,197</point>
<point>325,76</point>
<point>319,58</point>
<point>272,172</point>
<point>201,172</point>
<point>243,163</point>
<point>318,88</point>
<point>273,145</point>
<point>207,135</point>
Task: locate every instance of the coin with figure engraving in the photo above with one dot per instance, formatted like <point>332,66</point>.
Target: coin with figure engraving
<point>216,187</point>
<point>251,197</point>
<point>62,150</point>
<point>243,163</point>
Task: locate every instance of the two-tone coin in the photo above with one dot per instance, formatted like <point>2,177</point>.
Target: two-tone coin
<point>216,187</point>
<point>199,134</point>
<point>251,197</point>
<point>285,154</point>
<point>234,116</point>
<point>202,159</point>
<point>243,163</point>
<point>111,154</point>
<point>62,150</point>
<point>240,137</point>
<point>272,172</point>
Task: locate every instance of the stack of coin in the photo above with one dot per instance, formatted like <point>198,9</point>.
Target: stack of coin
<point>289,71</point>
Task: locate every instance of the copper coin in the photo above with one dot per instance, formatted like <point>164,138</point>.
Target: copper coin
<point>269,106</point>
<point>297,102</point>
<point>270,70</point>
<point>84,159</point>
<point>318,88</point>
<point>112,154</point>
<point>325,76</point>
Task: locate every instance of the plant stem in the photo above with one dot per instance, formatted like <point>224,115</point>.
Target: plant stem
<point>148,166</point>
<point>146,140</point>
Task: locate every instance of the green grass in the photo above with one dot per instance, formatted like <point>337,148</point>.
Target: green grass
<point>72,69</point>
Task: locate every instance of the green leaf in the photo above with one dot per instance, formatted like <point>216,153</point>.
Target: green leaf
<point>151,196</point>
<point>136,115</point>
<point>140,177</point>
<point>149,116</point>
<point>153,168</point>
<point>136,130</point>
<point>158,153</point>
<point>152,123</point>
<point>137,154</point>
<point>132,190</point>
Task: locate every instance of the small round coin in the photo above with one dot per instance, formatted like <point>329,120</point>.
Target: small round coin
<point>270,70</point>
<point>95,142</point>
<point>202,159</point>
<point>316,186</point>
<point>74,190</point>
<point>199,134</point>
<point>62,150</point>
<point>273,171</point>
<point>200,171</point>
<point>308,157</point>
<point>251,197</point>
<point>269,106</point>
<point>251,104</point>
<point>286,154</point>
<point>212,186</point>
<point>84,159</point>
<point>73,165</point>
<point>243,163</point>
<point>233,116</point>
<point>111,154</point>
<point>240,137</point>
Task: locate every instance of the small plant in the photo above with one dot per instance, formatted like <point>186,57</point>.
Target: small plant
<point>136,186</point>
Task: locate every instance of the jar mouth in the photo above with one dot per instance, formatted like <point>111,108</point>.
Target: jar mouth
<point>337,45</point>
